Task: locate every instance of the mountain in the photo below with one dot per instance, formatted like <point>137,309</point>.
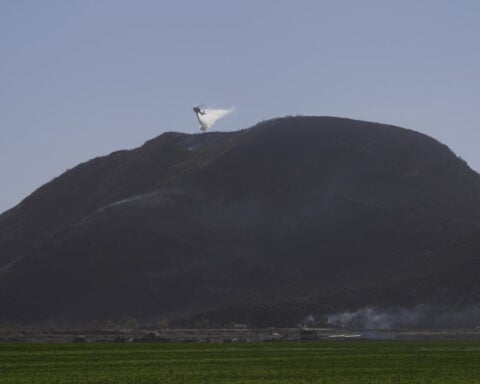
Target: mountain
<point>292,217</point>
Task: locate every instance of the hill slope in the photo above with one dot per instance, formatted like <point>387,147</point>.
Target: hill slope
<point>266,225</point>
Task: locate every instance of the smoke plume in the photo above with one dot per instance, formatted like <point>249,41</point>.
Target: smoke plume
<point>421,316</point>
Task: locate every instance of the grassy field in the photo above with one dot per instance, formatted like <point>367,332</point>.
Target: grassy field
<point>318,362</point>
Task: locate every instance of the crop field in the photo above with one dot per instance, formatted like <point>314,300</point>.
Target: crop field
<point>310,362</point>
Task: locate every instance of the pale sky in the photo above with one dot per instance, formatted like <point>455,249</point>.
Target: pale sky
<point>80,79</point>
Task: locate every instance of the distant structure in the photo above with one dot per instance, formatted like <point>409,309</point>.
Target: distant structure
<point>308,335</point>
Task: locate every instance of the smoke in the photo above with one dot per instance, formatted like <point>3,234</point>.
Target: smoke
<point>209,116</point>
<point>307,322</point>
<point>421,316</point>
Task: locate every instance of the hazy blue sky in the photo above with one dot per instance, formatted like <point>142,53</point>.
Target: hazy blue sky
<point>80,79</point>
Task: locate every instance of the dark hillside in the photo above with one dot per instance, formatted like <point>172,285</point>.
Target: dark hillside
<point>291,217</point>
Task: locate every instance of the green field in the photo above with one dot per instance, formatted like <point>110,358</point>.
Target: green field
<point>316,362</point>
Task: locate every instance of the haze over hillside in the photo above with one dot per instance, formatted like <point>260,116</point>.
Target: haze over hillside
<point>293,217</point>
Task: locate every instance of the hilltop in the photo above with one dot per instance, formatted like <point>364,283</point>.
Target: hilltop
<point>294,216</point>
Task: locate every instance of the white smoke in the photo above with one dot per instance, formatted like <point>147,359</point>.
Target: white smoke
<point>209,116</point>
<point>366,318</point>
<point>421,316</point>
<point>307,322</point>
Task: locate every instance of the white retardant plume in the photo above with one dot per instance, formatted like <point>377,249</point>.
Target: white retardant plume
<point>207,117</point>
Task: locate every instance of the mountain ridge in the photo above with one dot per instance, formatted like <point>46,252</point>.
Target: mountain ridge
<point>267,220</point>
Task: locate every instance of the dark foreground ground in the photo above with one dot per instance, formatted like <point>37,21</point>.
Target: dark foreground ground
<point>276,362</point>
